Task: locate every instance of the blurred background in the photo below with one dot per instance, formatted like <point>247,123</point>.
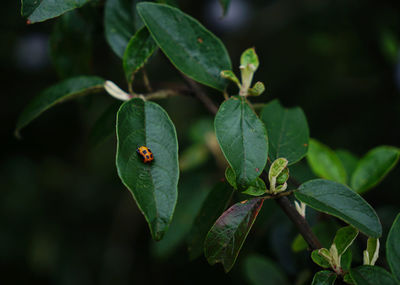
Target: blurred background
<point>65,218</point>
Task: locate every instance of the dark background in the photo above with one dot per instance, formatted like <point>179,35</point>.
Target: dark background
<point>65,218</point>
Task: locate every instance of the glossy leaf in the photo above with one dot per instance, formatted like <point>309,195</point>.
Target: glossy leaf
<point>321,257</point>
<point>153,185</point>
<point>373,167</point>
<point>371,275</point>
<point>287,131</point>
<point>260,270</point>
<point>393,248</point>
<point>349,162</point>
<point>325,163</point>
<point>344,238</point>
<point>340,201</point>
<point>193,50</point>
<point>243,140</point>
<point>70,45</point>
<point>140,47</point>
<point>324,277</point>
<point>61,92</point>
<point>43,10</point>
<point>214,205</point>
<point>226,237</point>
<point>119,24</point>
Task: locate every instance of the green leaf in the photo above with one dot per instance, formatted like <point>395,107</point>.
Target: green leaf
<point>257,89</point>
<point>226,237</point>
<point>346,259</point>
<point>153,185</point>
<point>340,201</point>
<point>224,5</point>
<point>287,131</point>
<point>249,58</point>
<point>42,10</point>
<point>28,6</point>
<point>349,161</point>
<point>191,48</point>
<point>140,47</point>
<point>243,140</point>
<point>371,275</point>
<point>371,254</point>
<point>257,188</point>
<point>260,270</point>
<point>228,74</point>
<point>393,248</point>
<point>119,24</point>
<point>214,205</point>
<point>344,238</point>
<point>347,279</point>
<point>70,45</point>
<point>62,91</point>
<point>325,163</point>
<point>373,167</point>
<point>324,277</point>
<point>104,127</point>
<point>321,257</point>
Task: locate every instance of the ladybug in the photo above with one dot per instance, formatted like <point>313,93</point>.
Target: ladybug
<point>145,154</point>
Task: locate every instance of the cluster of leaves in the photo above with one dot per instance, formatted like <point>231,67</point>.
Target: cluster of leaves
<point>259,148</point>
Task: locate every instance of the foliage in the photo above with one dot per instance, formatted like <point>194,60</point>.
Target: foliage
<point>259,148</point>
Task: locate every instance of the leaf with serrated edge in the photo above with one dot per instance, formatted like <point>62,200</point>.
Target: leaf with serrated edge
<point>193,49</point>
<point>226,237</point>
<point>153,185</point>
<point>340,201</point>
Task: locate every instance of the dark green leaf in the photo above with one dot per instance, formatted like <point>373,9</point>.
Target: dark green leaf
<point>243,140</point>
<point>231,177</point>
<point>140,47</point>
<point>104,127</point>
<point>346,259</point>
<point>28,6</point>
<point>344,238</point>
<point>340,201</point>
<point>225,5</point>
<point>325,163</point>
<point>119,24</point>
<point>65,90</point>
<point>287,131</point>
<point>70,45</point>
<point>321,259</point>
<point>153,185</point>
<point>373,167</point>
<point>348,160</point>
<point>371,275</point>
<point>347,279</point>
<point>257,188</point>
<point>193,50</point>
<point>324,277</point>
<point>226,237</point>
<point>393,248</point>
<point>214,205</point>
<point>260,270</point>
<point>42,10</point>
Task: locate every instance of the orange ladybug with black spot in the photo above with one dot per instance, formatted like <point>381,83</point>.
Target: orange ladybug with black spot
<point>145,154</point>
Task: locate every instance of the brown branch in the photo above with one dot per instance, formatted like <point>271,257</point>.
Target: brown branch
<point>283,201</point>
<point>199,93</point>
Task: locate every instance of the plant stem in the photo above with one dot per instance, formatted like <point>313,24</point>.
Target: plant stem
<point>300,223</point>
<point>284,202</point>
